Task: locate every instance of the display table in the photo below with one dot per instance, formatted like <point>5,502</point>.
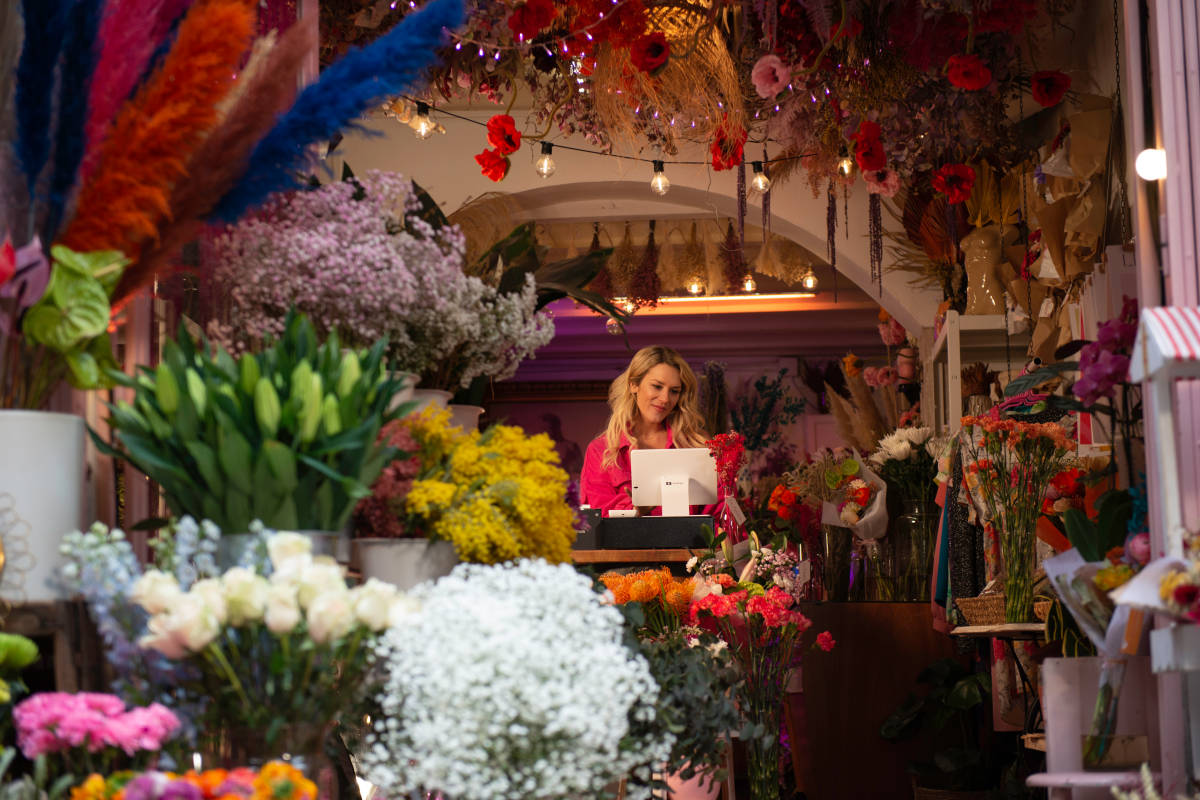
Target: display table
<point>850,691</point>
<point>74,650</point>
<point>613,559</point>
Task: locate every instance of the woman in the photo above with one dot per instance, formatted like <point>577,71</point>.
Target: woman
<point>655,406</point>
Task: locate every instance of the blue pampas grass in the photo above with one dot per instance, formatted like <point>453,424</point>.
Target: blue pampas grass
<point>346,90</point>
<point>45,24</point>
<point>80,50</point>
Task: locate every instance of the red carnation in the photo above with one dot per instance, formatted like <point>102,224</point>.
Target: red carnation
<point>494,164</point>
<point>968,72</point>
<point>651,53</point>
<point>503,134</point>
<point>726,151</point>
<point>528,20</point>
<point>825,641</point>
<point>1186,595</point>
<point>955,181</point>
<point>1048,87</point>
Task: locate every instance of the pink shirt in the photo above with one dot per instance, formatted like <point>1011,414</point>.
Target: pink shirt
<point>607,488</point>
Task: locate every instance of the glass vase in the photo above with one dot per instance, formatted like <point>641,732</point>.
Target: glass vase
<point>916,536</point>
<point>880,569</point>
<point>814,590</point>
<point>1017,546</point>
<point>300,746</point>
<point>725,520</point>
<point>839,543</point>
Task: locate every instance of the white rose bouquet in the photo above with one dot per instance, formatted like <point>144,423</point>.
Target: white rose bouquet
<point>513,682</point>
<point>285,648</point>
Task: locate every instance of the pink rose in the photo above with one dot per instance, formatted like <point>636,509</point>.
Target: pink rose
<point>1139,548</point>
<point>887,376</point>
<point>770,76</point>
<point>871,376</point>
<point>892,332</point>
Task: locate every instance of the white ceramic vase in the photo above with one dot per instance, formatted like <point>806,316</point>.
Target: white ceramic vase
<point>406,392</point>
<point>42,478</point>
<point>466,417</point>
<point>430,397</point>
<point>405,562</point>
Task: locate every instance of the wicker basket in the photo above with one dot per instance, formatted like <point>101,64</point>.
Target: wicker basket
<point>1041,609</point>
<point>985,610</point>
<point>921,793</point>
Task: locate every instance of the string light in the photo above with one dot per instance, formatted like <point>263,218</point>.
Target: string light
<point>846,165</point>
<point>809,281</point>
<point>614,327</point>
<point>748,284</point>
<point>425,127</point>
<point>545,164</point>
<point>760,182</point>
<point>695,287</point>
<point>1151,165</point>
<point>659,183</point>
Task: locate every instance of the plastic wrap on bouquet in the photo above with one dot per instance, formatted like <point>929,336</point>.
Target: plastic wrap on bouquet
<point>849,547</point>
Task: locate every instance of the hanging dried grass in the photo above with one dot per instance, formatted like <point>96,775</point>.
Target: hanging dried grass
<point>691,265</point>
<point>486,220</point>
<point>623,264</point>
<point>602,284</point>
<point>714,261</point>
<point>572,248</point>
<point>668,260</point>
<point>702,88</point>
<point>645,287</point>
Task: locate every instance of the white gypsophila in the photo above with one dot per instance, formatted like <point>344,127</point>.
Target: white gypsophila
<point>512,682</point>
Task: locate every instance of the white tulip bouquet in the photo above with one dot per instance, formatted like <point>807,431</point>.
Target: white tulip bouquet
<point>288,647</point>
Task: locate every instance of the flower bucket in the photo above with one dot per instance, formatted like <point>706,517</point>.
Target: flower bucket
<point>406,392</point>
<point>234,547</point>
<point>430,397</point>
<point>467,417</point>
<point>405,562</point>
<point>41,499</point>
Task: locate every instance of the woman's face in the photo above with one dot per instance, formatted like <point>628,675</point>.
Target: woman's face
<point>658,393</point>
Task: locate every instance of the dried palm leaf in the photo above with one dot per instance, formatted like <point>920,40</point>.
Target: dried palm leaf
<point>486,220</point>
<point>869,421</point>
<point>845,418</point>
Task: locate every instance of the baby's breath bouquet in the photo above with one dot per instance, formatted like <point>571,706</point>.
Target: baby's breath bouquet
<point>513,682</point>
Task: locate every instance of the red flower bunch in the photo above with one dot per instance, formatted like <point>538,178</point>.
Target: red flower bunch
<point>955,181</point>
<point>868,150</point>
<point>726,150</point>
<point>825,641</point>
<point>503,134</point>
<point>773,608</point>
<point>1048,87</point>
<point>651,53</point>
<point>719,605</point>
<point>1065,491</point>
<point>729,450</point>
<point>494,164</point>
<point>723,580</point>
<point>968,72</point>
<point>1186,595</point>
<point>527,20</point>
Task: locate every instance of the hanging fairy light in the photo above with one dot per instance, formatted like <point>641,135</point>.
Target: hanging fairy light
<point>809,281</point>
<point>614,327</point>
<point>846,165</point>
<point>659,183</point>
<point>748,283</point>
<point>424,127</point>
<point>760,182</point>
<point>545,165</point>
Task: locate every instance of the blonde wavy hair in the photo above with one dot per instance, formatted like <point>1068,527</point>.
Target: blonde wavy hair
<point>685,420</point>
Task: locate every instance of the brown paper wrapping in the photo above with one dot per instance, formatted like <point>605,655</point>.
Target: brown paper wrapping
<point>1045,339</point>
<point>1089,143</point>
<point>1052,220</point>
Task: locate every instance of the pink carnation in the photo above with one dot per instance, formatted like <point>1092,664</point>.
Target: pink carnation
<point>885,182</point>
<point>887,376</point>
<point>825,641</point>
<point>871,376</point>
<point>892,332</point>
<point>55,721</point>
<point>770,76</point>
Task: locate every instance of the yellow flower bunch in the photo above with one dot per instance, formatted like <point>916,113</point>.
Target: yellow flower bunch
<point>497,495</point>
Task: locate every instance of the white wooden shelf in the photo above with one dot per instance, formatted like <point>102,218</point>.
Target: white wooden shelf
<point>966,340</point>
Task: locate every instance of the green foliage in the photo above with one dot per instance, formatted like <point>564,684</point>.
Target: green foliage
<point>953,691</point>
<point>71,318</point>
<point>236,442</point>
<point>1060,626</point>
<point>753,413</point>
<point>1094,538</point>
<point>1026,382</point>
<point>31,787</point>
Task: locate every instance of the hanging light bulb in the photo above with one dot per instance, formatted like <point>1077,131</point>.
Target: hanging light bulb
<point>760,182</point>
<point>1151,165</point>
<point>545,164</point>
<point>695,286</point>
<point>630,307</point>
<point>809,281</point>
<point>614,327</point>
<point>748,284</point>
<point>659,183</point>
<point>424,126</point>
<point>846,165</point>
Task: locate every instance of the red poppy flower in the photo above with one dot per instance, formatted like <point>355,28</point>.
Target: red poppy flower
<point>503,134</point>
<point>1048,87</point>
<point>955,181</point>
<point>727,151</point>
<point>651,53</point>
<point>1186,595</point>
<point>869,151</point>
<point>528,20</point>
<point>494,164</point>
<point>968,72</point>
<point>853,28</point>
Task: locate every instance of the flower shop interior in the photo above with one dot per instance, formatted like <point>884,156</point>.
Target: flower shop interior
<point>711,399</point>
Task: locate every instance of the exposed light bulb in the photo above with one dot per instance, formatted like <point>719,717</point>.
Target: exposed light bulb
<point>659,183</point>
<point>760,182</point>
<point>695,287</point>
<point>749,285</point>
<point>545,164</point>
<point>846,166</point>
<point>810,280</point>
<point>424,127</point>
<point>614,327</point>
<point>1151,165</point>
<point>630,307</point>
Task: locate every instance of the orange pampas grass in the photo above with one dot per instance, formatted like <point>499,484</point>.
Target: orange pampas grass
<point>219,162</point>
<point>155,132</point>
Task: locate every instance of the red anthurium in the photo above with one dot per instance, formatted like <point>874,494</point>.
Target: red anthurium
<point>955,181</point>
<point>651,53</point>
<point>1048,87</point>
<point>494,164</point>
<point>968,72</point>
<point>527,20</point>
<point>503,134</point>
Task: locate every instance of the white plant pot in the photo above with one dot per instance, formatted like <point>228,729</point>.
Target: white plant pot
<point>467,417</point>
<point>41,499</point>
<point>405,562</point>
<point>406,392</point>
<point>427,397</point>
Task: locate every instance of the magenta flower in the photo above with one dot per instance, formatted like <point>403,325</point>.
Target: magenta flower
<point>181,790</point>
<point>770,76</point>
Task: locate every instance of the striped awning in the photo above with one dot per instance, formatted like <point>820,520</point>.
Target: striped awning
<point>1168,337</point>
